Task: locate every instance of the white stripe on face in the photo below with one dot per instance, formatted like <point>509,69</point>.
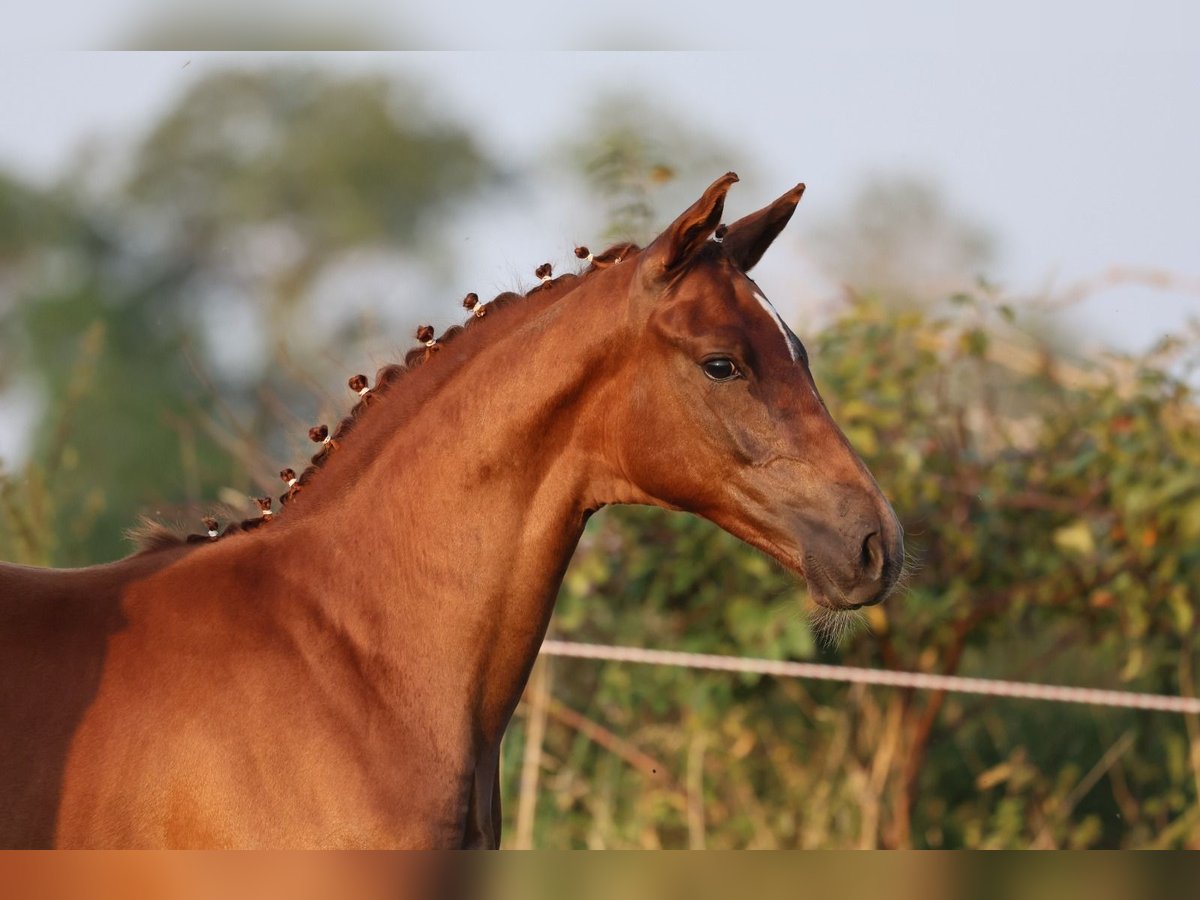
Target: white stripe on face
<point>788,338</point>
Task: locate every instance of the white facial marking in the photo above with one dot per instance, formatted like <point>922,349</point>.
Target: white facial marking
<point>788,340</point>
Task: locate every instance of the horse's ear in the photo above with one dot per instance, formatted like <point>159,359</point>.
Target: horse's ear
<point>689,232</point>
<point>748,239</point>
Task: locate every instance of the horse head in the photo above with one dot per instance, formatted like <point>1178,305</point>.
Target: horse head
<point>721,416</point>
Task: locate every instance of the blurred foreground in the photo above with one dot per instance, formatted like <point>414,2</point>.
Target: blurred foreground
<point>350,876</point>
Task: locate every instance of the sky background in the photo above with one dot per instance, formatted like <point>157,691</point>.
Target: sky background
<point>1078,160</point>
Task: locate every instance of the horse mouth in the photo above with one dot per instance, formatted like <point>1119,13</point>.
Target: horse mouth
<point>825,592</point>
<point>821,589</point>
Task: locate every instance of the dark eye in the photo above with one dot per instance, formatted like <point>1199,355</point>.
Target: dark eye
<point>720,369</point>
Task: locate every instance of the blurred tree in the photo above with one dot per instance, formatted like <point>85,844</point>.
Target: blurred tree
<point>330,162</point>
<point>26,217</point>
<point>235,202</point>
<point>640,159</point>
<point>899,238</point>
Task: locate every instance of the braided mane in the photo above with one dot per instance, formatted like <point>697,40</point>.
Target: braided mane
<point>150,535</point>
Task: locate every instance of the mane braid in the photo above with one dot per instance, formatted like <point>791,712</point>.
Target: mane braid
<point>151,536</point>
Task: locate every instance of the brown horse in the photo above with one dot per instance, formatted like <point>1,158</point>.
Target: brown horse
<point>342,675</point>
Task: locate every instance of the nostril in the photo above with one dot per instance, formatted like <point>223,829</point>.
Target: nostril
<point>872,556</point>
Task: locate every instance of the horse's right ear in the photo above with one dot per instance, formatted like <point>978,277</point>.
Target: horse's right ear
<point>687,234</point>
<point>748,238</point>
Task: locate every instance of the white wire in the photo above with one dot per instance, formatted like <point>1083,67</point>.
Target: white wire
<point>918,680</point>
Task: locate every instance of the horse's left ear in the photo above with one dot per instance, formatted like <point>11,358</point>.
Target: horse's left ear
<point>687,234</point>
<point>748,238</point>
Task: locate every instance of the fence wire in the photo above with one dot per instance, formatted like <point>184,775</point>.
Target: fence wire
<point>918,680</point>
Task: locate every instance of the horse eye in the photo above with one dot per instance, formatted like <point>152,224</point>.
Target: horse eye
<point>720,369</point>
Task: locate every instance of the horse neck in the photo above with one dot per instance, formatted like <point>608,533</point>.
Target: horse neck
<point>439,533</point>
